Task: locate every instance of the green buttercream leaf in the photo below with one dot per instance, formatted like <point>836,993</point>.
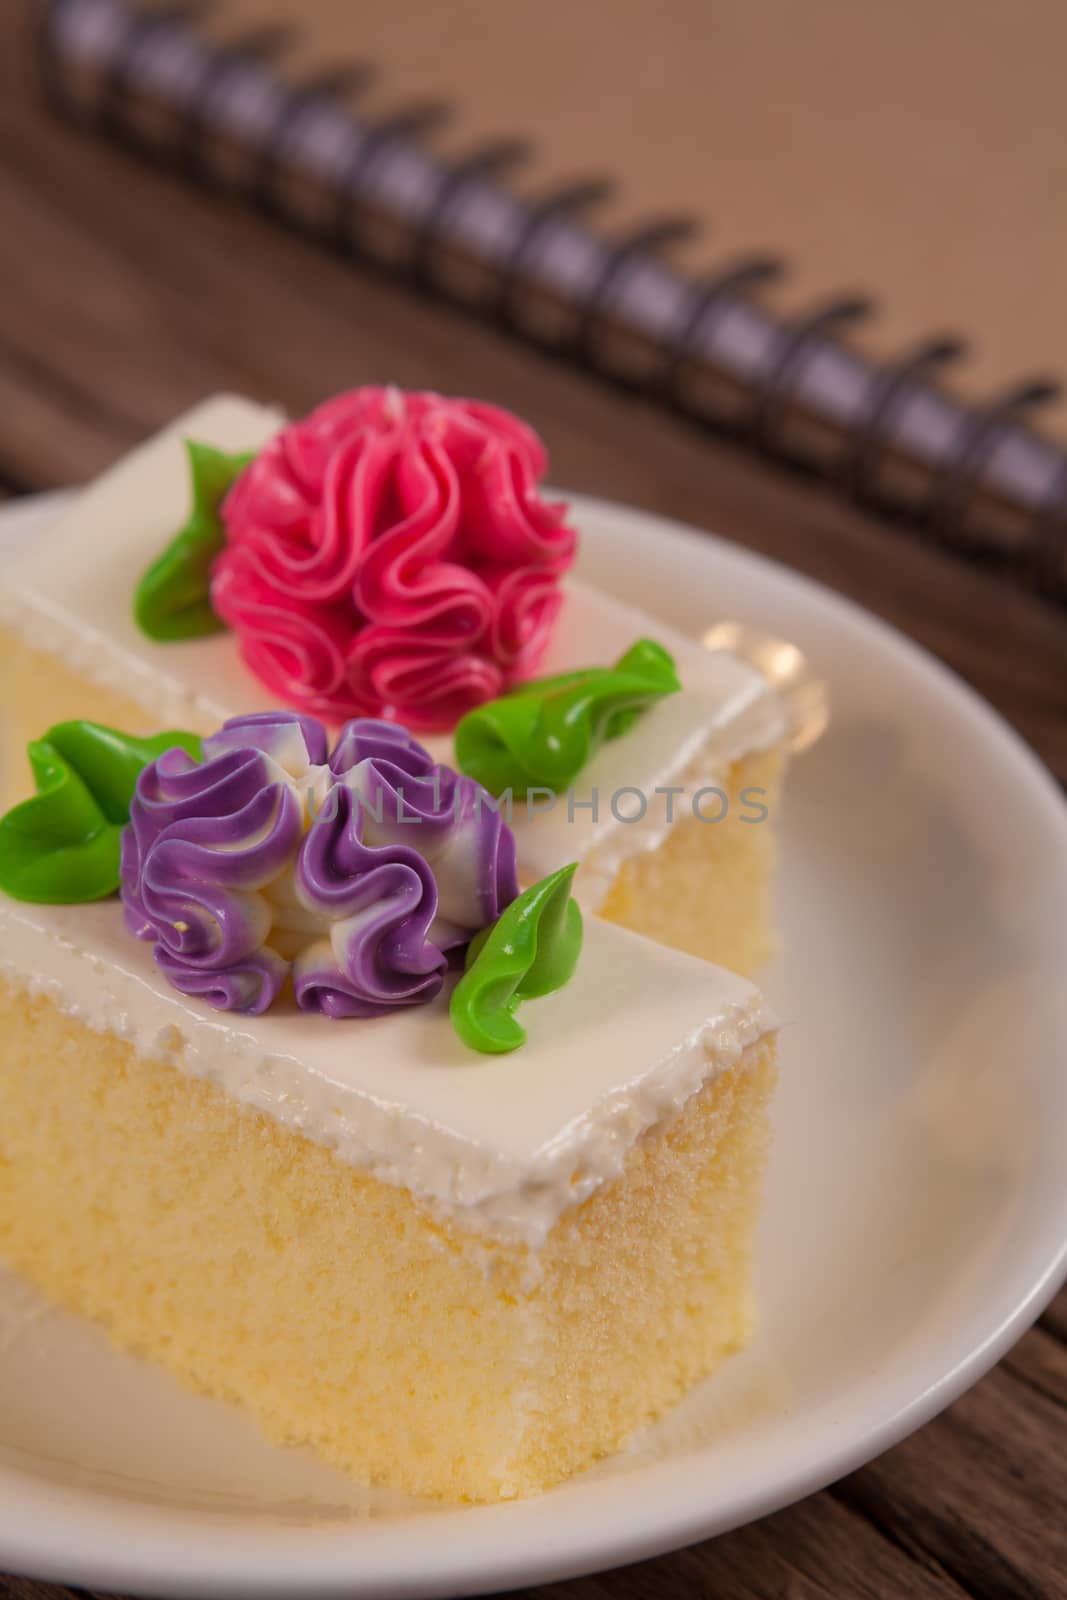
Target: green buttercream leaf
<point>61,847</point>
<point>545,732</point>
<point>530,950</point>
<point>173,598</point>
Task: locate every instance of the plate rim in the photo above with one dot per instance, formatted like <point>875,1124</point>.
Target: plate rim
<point>157,1557</point>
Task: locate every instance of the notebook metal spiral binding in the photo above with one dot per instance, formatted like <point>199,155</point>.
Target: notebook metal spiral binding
<point>771,395</point>
<point>491,161</point>
<point>711,299</point>
<point>334,84</point>
<point>979,479</point>
<point>951,493</point>
<point>225,66</point>
<point>137,41</point>
<point>860,464</point>
<point>623,255</point>
<point>568,201</point>
<point>376,140</point>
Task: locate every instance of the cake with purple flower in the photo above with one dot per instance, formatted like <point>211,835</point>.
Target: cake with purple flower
<point>303,1097</point>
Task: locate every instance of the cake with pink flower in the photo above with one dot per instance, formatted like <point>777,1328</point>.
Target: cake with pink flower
<point>349,1070</point>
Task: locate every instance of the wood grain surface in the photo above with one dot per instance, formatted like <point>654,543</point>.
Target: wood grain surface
<point>125,297</point>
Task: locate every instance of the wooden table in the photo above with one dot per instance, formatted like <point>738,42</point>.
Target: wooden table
<point>125,297</point>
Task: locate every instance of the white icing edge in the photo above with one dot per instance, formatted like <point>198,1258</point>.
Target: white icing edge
<point>49,629</point>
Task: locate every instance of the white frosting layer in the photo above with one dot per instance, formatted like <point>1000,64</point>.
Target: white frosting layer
<point>503,1144</point>
<point>71,593</point>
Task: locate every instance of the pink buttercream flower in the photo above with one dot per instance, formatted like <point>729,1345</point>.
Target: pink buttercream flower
<point>391,556</point>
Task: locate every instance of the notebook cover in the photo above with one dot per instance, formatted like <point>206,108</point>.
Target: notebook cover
<point>913,152</point>
<point>317,113</point>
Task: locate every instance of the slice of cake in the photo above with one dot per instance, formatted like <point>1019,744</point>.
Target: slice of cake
<point>331,1120</point>
<point>392,556</point>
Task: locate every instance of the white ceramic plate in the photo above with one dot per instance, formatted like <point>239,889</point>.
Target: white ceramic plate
<point>916,1211</point>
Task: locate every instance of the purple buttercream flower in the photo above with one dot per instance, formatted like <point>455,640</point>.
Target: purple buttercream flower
<point>381,902</point>
<point>356,872</point>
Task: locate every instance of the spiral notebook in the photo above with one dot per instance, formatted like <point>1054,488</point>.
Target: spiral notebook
<point>978,475</point>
